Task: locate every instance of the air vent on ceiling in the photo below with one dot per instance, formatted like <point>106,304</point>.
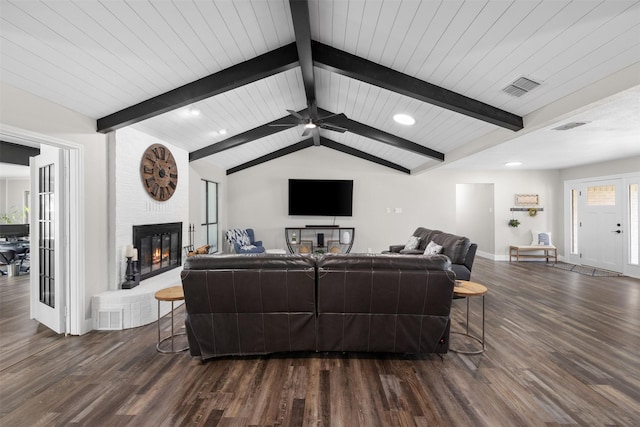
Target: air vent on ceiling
<point>521,86</point>
<point>569,126</point>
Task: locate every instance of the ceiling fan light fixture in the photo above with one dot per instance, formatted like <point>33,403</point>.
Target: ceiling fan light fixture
<point>404,119</point>
<point>310,125</point>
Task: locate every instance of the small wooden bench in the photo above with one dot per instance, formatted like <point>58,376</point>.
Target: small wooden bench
<point>549,251</point>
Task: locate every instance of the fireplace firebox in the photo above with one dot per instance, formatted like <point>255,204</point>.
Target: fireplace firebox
<point>158,247</point>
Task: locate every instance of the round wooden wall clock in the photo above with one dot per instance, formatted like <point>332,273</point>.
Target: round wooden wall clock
<point>159,172</point>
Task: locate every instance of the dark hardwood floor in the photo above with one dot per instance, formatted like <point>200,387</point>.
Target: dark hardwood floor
<point>562,349</point>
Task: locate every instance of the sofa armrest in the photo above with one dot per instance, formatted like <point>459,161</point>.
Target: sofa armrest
<point>396,248</point>
<point>471,255</point>
<point>412,251</point>
<point>257,243</point>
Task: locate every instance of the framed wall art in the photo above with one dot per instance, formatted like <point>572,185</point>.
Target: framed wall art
<point>527,199</point>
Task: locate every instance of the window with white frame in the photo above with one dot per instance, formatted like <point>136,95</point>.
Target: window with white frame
<point>209,213</point>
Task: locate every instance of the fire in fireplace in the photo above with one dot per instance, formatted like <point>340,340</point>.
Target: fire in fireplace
<point>158,246</point>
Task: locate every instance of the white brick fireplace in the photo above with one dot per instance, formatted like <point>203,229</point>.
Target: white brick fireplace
<point>131,205</point>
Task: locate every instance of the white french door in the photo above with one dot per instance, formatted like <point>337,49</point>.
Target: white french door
<point>600,233</point>
<point>47,248</point>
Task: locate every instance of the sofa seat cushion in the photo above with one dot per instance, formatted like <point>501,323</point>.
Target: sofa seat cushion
<point>455,247</point>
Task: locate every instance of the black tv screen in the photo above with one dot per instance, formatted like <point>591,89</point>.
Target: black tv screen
<point>320,197</point>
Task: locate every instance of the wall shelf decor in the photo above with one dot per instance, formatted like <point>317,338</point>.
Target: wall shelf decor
<point>526,209</point>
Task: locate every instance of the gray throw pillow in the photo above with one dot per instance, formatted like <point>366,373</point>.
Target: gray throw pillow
<point>413,242</point>
<point>433,248</point>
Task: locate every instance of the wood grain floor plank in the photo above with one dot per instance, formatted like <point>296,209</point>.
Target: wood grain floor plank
<point>562,349</point>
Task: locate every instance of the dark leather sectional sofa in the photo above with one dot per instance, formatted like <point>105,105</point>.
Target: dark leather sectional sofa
<point>459,249</point>
<point>269,303</point>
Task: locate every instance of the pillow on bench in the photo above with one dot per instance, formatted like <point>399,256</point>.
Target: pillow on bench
<point>542,238</point>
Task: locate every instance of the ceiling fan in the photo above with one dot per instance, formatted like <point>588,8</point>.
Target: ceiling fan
<point>310,124</point>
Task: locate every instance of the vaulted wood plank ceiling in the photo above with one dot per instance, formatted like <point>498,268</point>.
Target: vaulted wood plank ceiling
<point>240,64</point>
<point>309,55</point>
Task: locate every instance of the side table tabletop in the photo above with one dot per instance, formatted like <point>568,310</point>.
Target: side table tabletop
<point>174,293</point>
<point>467,289</point>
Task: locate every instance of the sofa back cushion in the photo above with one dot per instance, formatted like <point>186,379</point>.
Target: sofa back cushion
<point>425,235</point>
<point>249,304</point>
<point>455,247</point>
<point>389,303</point>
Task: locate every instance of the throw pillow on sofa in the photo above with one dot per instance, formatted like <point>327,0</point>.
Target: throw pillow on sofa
<point>432,248</point>
<point>413,243</point>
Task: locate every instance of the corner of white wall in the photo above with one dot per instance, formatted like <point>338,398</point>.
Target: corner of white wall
<point>131,203</point>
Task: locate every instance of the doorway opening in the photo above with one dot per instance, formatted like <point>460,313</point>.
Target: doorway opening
<point>70,294</point>
<point>602,222</point>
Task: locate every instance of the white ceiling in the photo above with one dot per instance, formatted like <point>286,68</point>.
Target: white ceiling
<point>98,57</point>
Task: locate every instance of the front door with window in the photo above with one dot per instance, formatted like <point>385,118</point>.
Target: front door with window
<point>46,248</point>
<point>600,225</point>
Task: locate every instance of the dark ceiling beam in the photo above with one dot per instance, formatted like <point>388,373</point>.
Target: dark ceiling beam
<point>326,142</point>
<point>265,65</point>
<point>349,65</point>
<point>272,156</point>
<point>309,143</point>
<point>302,31</point>
<point>242,138</point>
<point>352,126</point>
<point>384,137</point>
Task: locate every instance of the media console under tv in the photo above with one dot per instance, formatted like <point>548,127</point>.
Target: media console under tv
<point>319,239</point>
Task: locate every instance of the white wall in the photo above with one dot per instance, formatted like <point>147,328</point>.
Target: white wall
<point>475,214</point>
<point>198,171</point>
<point>30,114</point>
<point>257,198</point>
<point>133,206</point>
<point>12,198</point>
<point>612,168</point>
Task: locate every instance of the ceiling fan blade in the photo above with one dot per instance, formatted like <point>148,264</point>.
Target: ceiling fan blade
<point>296,115</point>
<point>306,132</point>
<point>333,118</point>
<point>329,126</point>
<point>286,125</point>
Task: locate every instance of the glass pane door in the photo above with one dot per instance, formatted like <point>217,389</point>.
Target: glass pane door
<point>46,241</point>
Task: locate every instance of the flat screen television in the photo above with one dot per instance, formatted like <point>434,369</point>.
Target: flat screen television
<point>321,197</point>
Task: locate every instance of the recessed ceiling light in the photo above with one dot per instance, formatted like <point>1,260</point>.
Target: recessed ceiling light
<point>571,125</point>
<point>222,132</point>
<point>510,164</point>
<point>404,119</point>
<point>194,111</point>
